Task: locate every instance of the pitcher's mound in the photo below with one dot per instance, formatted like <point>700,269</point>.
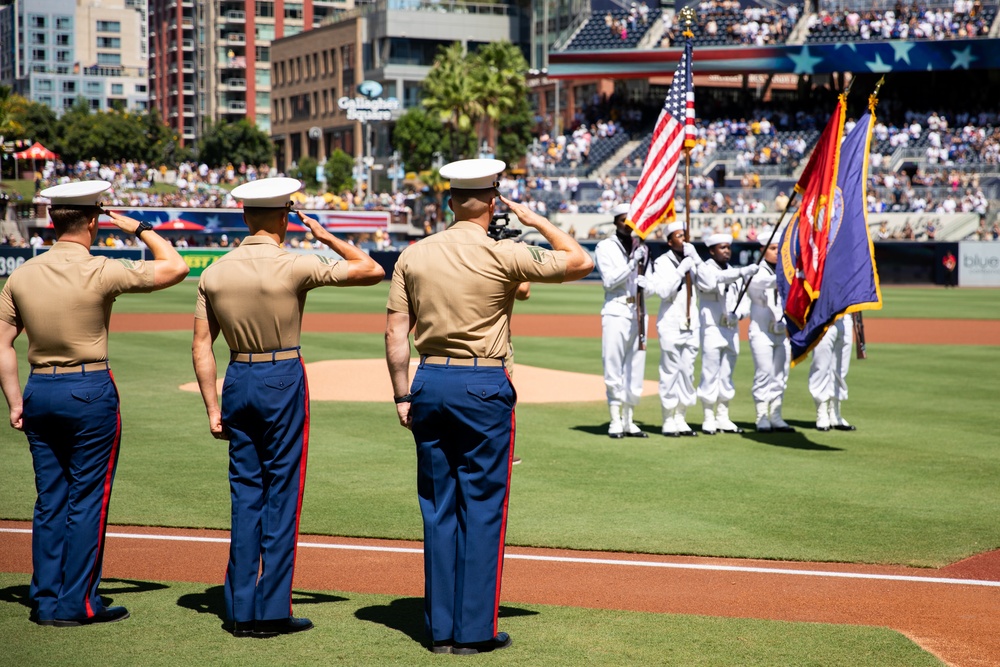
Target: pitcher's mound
<point>368,380</point>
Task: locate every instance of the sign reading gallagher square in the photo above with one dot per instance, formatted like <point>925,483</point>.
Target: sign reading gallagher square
<point>369,107</point>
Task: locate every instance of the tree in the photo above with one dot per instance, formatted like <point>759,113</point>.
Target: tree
<point>40,123</point>
<point>499,69</point>
<point>240,142</point>
<point>339,171</point>
<point>305,171</point>
<point>417,136</point>
<point>449,92</point>
<point>11,107</point>
<point>108,136</point>
<point>162,142</point>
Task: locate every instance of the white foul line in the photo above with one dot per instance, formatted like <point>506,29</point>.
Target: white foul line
<point>588,561</point>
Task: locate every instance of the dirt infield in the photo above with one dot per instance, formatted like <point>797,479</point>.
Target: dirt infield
<point>877,330</point>
<point>951,612</point>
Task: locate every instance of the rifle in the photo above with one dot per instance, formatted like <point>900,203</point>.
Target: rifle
<point>859,336</point>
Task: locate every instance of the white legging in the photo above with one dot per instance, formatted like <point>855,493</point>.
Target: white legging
<point>678,350</point>
<point>771,356</point>
<point>624,362</point>
<point>720,347</point>
<point>831,361</point>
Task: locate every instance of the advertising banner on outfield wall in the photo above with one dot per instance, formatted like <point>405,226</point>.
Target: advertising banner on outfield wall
<point>198,259</point>
<point>979,264</point>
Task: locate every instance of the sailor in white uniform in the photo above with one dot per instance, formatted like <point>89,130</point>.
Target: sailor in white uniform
<point>719,285</point>
<point>828,374</point>
<point>623,261</point>
<point>768,344</point>
<point>677,328</point>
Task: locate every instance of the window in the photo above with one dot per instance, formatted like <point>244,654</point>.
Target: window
<point>117,89</point>
<point>263,54</point>
<point>46,100</point>
<point>68,102</point>
<point>95,104</point>
<point>64,40</point>
<point>265,9</point>
<point>64,23</point>
<point>140,88</point>
<point>45,85</point>
<point>263,100</point>
<point>39,54</point>
<point>109,59</point>
<point>39,38</point>
<point>64,56</point>
<point>294,10</point>
<point>263,78</point>
<point>109,26</point>
<point>36,21</point>
<point>69,86</point>
<point>93,87</point>
<point>292,30</point>
<point>109,42</point>
<point>264,32</point>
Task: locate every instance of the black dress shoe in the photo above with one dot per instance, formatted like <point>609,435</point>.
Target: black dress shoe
<point>823,428</point>
<point>616,436</point>
<point>33,617</point>
<point>443,646</point>
<point>690,434</point>
<point>671,434</point>
<point>707,432</point>
<point>784,429</point>
<point>729,430</point>
<point>281,626</point>
<point>764,430</point>
<point>106,615</point>
<point>240,629</point>
<point>637,434</point>
<point>845,427</point>
<point>502,640</point>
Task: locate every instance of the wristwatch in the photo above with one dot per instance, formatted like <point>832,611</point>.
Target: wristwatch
<point>143,227</point>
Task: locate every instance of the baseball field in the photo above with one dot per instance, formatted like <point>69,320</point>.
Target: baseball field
<point>875,547</point>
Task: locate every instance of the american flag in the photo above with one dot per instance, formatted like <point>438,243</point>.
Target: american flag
<point>653,202</point>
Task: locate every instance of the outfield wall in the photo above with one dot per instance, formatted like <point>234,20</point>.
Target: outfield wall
<point>899,262</point>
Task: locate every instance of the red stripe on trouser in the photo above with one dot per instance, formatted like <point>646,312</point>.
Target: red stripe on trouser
<point>302,474</point>
<point>108,477</point>
<point>503,523</point>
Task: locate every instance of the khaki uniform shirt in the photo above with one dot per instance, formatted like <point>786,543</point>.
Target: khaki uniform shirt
<point>460,285</point>
<point>256,293</point>
<point>63,300</point>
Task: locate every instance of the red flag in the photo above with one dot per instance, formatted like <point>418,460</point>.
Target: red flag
<point>653,201</point>
<point>817,186</point>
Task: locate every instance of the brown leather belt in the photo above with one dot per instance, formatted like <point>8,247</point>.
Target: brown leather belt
<point>460,361</point>
<point>89,367</point>
<point>258,357</point>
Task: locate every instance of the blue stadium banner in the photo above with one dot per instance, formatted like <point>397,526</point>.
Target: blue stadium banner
<point>810,58</point>
<point>850,277</point>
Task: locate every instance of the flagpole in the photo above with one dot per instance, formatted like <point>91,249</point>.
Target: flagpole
<point>687,17</point>
<point>770,240</point>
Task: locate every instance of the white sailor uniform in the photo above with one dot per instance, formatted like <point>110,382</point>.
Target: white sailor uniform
<point>770,349</point>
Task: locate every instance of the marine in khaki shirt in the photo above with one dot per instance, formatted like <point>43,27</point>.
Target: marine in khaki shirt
<point>456,290</point>
<point>69,411</point>
<point>254,296</point>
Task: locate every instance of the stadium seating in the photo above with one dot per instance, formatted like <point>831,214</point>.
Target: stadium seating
<point>596,35</point>
<point>740,24</point>
<point>861,23</point>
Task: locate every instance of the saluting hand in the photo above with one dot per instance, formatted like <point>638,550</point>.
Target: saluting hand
<point>124,223</point>
<point>524,214</point>
<point>311,223</point>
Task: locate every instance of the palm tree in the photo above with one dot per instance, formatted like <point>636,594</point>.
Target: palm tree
<point>498,83</point>
<point>449,92</point>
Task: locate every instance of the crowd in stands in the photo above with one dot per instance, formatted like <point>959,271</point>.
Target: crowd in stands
<point>621,25</point>
<point>966,19</point>
<point>728,22</point>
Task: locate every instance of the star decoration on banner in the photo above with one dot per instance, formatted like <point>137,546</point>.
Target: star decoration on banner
<point>963,58</point>
<point>901,50</point>
<point>805,63</point>
<point>877,65</point>
<point>213,221</point>
<point>851,45</point>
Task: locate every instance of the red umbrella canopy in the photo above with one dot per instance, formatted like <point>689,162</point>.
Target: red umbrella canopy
<point>36,152</point>
<point>180,224</point>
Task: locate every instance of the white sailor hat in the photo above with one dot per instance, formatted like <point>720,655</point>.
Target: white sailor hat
<point>80,193</point>
<point>716,239</point>
<point>765,240</point>
<point>473,174</point>
<point>267,192</point>
<point>621,209</point>
<point>676,226</point>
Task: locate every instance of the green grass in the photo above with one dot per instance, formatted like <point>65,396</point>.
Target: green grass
<point>22,186</point>
<point>586,299</point>
<point>179,624</point>
<point>916,484</point>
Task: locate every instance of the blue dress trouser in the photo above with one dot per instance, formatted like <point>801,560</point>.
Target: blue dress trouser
<point>74,430</point>
<point>265,407</point>
<point>463,425</point>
